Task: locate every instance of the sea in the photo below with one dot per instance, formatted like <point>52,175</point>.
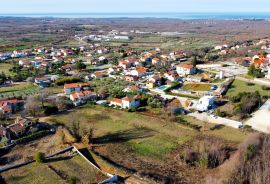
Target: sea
<point>196,15</point>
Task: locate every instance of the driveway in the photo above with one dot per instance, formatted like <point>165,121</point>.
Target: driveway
<point>216,120</point>
<point>261,118</point>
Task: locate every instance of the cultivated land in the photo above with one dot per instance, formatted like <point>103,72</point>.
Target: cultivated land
<point>21,89</point>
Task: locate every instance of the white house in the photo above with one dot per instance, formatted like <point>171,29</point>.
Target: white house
<point>139,72</point>
<point>205,103</point>
<point>185,69</point>
<point>126,102</point>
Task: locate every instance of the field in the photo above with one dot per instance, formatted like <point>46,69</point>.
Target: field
<point>144,141</point>
<point>4,67</point>
<point>57,170</point>
<point>196,87</point>
<point>22,89</point>
<point>239,86</point>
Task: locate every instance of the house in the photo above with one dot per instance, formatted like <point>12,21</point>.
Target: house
<point>98,75</point>
<point>36,64</point>
<point>243,61</point>
<point>43,81</point>
<point>172,76</point>
<point>132,89</point>
<point>131,78</point>
<point>155,61</point>
<point>10,106</point>
<point>126,102</point>
<point>116,102</point>
<point>205,103</point>
<point>75,87</point>
<point>131,102</point>
<point>185,69</point>
<point>194,79</point>
<point>66,68</point>
<point>139,72</point>
<point>154,81</point>
<point>25,63</point>
<point>102,50</point>
<point>81,97</point>
<point>20,126</point>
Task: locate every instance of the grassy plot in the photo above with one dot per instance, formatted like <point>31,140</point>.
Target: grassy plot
<point>4,68</point>
<point>18,90</point>
<point>54,171</point>
<point>145,135</point>
<point>239,86</point>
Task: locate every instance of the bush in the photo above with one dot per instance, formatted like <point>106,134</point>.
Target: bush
<point>50,110</point>
<point>72,180</point>
<point>32,136</point>
<point>250,84</point>
<point>266,88</point>
<point>39,157</point>
<point>67,80</point>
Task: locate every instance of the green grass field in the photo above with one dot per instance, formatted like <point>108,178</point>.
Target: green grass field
<point>18,90</point>
<point>4,67</point>
<point>196,87</point>
<point>239,86</point>
<point>145,135</point>
<point>44,173</point>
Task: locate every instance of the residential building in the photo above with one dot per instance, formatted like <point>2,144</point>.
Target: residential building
<point>205,103</point>
<point>185,69</point>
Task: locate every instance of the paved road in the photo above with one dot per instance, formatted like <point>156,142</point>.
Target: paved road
<point>217,120</point>
<point>261,118</point>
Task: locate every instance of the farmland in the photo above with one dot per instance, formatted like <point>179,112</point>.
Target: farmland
<point>18,90</point>
<point>196,87</point>
<point>4,68</point>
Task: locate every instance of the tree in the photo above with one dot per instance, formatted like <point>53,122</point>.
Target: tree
<point>39,157</point>
<point>32,105</point>
<point>251,70</point>
<point>79,65</point>
<point>194,61</point>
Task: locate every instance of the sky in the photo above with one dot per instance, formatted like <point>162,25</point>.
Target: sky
<point>124,6</point>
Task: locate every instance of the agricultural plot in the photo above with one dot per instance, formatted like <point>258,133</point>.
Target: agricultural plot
<point>4,68</point>
<point>17,90</point>
<point>196,87</point>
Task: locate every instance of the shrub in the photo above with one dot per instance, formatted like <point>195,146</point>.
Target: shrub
<point>39,157</point>
<point>67,80</point>
<point>250,84</point>
<point>250,152</point>
<point>266,88</point>
<point>50,110</point>
<point>72,180</point>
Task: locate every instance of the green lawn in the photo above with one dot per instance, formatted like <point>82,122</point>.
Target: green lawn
<point>239,86</point>
<point>18,90</point>
<point>44,173</point>
<point>196,87</point>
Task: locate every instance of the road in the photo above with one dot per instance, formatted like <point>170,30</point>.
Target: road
<point>261,118</point>
<point>252,81</point>
<point>217,120</point>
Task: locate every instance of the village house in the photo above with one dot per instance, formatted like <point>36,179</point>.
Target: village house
<point>172,76</point>
<point>75,87</point>
<point>43,81</point>
<point>10,106</point>
<point>126,102</point>
<point>81,97</point>
<point>139,72</point>
<point>185,69</point>
<point>205,103</point>
<point>131,78</point>
<point>25,63</point>
<point>99,75</point>
<point>20,126</point>
<point>154,81</point>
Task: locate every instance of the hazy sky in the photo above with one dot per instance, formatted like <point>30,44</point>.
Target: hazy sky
<point>93,6</point>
